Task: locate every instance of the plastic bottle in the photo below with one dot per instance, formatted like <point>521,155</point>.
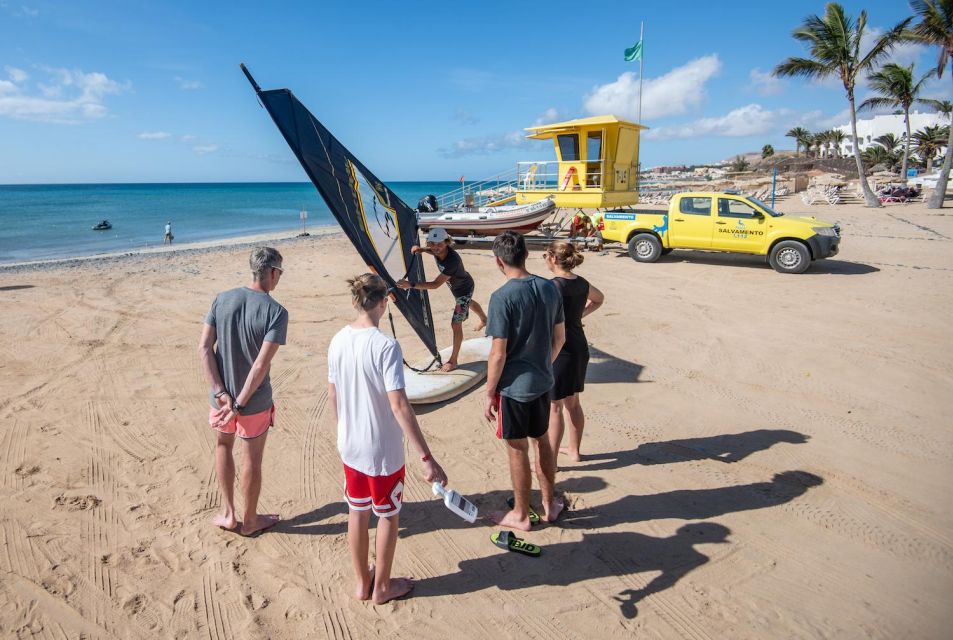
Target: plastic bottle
<point>456,503</point>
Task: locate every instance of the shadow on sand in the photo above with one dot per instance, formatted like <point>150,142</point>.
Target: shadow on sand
<point>605,368</point>
<point>818,267</point>
<point>16,287</point>
<point>729,447</point>
<point>603,554</point>
<point>619,554</point>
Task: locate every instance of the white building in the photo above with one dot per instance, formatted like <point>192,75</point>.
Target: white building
<point>870,129</point>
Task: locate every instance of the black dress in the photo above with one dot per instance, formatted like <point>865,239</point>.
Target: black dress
<point>569,369</point>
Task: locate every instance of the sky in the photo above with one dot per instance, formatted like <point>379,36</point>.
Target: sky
<point>151,91</point>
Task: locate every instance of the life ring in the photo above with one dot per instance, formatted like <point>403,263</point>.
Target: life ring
<point>569,176</point>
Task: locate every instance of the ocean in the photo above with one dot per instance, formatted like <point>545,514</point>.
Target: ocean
<point>39,222</point>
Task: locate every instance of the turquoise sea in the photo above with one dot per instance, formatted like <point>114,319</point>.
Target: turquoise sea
<point>39,222</point>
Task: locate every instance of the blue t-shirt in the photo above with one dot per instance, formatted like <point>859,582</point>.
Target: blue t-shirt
<point>524,311</point>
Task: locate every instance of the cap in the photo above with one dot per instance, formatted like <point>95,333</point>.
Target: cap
<point>437,234</point>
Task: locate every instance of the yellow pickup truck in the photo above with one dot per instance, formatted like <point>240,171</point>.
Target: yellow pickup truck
<point>722,222</point>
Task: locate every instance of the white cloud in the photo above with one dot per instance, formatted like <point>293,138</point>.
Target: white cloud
<point>485,145</point>
<point>548,116</point>
<point>16,75</point>
<point>675,92</point>
<point>904,53</point>
<point>749,120</point>
<point>765,83</point>
<point>204,149</point>
<point>154,135</point>
<point>8,87</point>
<point>71,97</point>
<point>189,85</point>
<point>187,138</point>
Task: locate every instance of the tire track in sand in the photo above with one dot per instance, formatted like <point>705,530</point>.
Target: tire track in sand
<point>314,452</point>
<point>14,456</point>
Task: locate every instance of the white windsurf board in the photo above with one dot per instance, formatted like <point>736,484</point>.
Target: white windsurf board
<point>436,386</point>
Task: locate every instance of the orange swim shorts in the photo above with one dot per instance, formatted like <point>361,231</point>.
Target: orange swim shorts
<point>245,426</point>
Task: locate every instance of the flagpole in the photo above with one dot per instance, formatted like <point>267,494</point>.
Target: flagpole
<point>641,62</point>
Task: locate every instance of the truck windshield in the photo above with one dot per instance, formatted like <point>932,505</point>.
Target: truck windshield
<point>771,212</point>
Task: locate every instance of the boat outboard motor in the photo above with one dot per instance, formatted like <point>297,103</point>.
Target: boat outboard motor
<point>427,204</point>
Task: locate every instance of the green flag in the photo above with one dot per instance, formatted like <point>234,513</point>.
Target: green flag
<point>634,52</point>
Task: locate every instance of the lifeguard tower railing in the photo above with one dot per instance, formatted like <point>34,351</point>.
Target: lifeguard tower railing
<point>493,190</point>
<point>542,175</point>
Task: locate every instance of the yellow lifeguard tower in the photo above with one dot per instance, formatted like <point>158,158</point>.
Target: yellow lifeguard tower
<point>597,164</point>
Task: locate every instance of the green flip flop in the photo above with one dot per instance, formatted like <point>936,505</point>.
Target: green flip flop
<point>508,540</point>
<point>533,516</point>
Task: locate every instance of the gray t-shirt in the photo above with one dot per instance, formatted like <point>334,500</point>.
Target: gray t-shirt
<point>524,311</point>
<point>244,319</point>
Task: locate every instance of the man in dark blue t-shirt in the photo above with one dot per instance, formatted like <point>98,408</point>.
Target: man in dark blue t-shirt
<point>525,320</point>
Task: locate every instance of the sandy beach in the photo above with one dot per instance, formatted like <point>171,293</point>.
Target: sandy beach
<point>765,455</point>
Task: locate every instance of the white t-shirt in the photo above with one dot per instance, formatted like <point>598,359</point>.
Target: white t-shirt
<point>363,365</point>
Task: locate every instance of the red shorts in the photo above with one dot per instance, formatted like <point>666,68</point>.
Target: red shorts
<point>383,494</point>
<point>247,427</point>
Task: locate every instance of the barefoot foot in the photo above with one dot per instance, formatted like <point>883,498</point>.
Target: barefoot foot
<point>448,366</point>
<point>510,520</point>
<point>227,522</point>
<point>365,589</point>
<point>262,521</point>
<point>398,588</point>
<point>572,455</point>
<point>553,509</point>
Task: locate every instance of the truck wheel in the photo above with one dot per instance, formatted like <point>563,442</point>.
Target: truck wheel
<point>645,247</point>
<point>790,256</point>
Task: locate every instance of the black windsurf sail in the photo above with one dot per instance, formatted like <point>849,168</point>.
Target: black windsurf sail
<point>379,224</point>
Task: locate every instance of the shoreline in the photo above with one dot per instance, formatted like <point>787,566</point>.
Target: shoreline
<point>204,246</point>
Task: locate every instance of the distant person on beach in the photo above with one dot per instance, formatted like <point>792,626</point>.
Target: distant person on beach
<point>527,326</point>
<point>569,369</point>
<point>242,333</point>
<point>168,233</point>
<point>452,271</point>
<point>373,414</point>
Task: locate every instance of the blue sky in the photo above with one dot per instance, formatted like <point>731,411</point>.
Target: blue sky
<point>138,91</point>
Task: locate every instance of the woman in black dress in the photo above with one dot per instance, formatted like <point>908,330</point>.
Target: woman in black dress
<point>569,369</point>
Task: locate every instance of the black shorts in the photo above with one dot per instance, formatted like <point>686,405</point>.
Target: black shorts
<point>516,420</point>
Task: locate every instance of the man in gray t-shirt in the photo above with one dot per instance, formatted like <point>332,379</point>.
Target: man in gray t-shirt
<point>525,320</point>
<point>242,332</point>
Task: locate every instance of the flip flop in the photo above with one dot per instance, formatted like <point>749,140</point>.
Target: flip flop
<point>508,540</point>
<point>533,516</point>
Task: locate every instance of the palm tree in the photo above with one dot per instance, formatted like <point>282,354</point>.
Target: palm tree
<point>812,144</point>
<point>889,142</point>
<point>928,141</point>
<point>767,151</point>
<point>740,164</point>
<point>834,43</point>
<point>896,87</point>
<point>799,134</point>
<point>936,28</point>
<point>944,108</point>
<point>875,154</point>
<point>837,137</point>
